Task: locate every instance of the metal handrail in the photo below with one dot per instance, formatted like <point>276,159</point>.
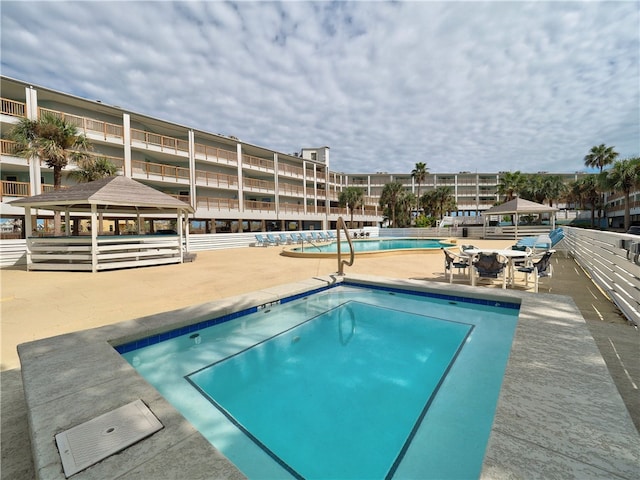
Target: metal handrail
<point>341,263</point>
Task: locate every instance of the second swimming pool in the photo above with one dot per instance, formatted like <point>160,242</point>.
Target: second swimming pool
<point>370,246</point>
<point>349,382</point>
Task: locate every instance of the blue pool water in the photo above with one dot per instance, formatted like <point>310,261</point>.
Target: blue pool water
<point>377,245</point>
<point>349,382</point>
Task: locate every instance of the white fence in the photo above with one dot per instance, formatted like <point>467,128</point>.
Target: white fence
<point>612,267</point>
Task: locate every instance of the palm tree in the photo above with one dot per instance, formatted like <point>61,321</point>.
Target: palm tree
<point>91,169</point>
<point>52,139</point>
<point>600,156</point>
<point>554,188</point>
<point>585,193</point>
<point>623,177</point>
<point>352,197</point>
<point>419,174</point>
<point>391,199</point>
<point>511,183</point>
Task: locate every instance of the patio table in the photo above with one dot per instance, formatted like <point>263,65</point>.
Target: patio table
<point>510,255</point>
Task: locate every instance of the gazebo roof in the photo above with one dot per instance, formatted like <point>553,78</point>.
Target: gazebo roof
<point>117,194</point>
<point>519,205</point>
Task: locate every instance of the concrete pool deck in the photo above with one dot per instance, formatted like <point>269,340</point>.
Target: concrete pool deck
<point>559,415</point>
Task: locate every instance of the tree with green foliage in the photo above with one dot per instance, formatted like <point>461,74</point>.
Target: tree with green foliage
<point>511,184</point>
<point>91,169</point>
<point>353,198</point>
<point>54,141</point>
<point>419,174</point>
<point>585,193</point>
<point>600,156</point>
<point>622,177</point>
<point>391,199</point>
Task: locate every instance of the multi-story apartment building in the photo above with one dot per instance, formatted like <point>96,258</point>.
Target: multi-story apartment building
<point>232,185</point>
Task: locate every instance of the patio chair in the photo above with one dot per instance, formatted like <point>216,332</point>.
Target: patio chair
<point>331,235</point>
<point>451,261</point>
<point>540,269</point>
<point>272,240</point>
<point>312,237</point>
<point>489,265</point>
<point>283,239</point>
<point>296,237</point>
<point>322,237</point>
<point>261,241</point>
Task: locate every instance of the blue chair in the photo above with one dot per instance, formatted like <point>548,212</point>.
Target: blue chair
<point>312,237</point>
<point>271,239</point>
<point>283,239</point>
<point>331,235</point>
<point>260,241</point>
<point>322,237</point>
<point>297,237</point>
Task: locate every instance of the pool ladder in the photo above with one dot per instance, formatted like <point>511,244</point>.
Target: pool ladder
<point>340,225</point>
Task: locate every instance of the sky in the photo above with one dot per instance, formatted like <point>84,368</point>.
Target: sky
<point>460,86</point>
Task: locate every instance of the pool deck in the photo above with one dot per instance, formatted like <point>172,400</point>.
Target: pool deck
<point>560,414</point>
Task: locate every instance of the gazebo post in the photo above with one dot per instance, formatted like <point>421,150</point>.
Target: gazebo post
<point>28,232</point>
<point>67,223</point>
<point>94,238</point>
<point>186,231</point>
<point>179,225</point>
<point>517,221</point>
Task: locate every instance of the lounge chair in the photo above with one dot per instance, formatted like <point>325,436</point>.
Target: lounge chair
<point>297,238</point>
<point>261,241</point>
<point>488,265</point>
<point>283,239</point>
<point>271,239</point>
<point>331,235</point>
<point>540,269</point>
<point>312,237</point>
<point>451,261</point>
<point>322,237</point>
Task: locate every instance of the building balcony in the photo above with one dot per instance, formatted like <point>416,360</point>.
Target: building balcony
<point>254,185</point>
<point>105,130</point>
<point>161,143</point>
<point>13,108</point>
<point>257,163</point>
<point>159,171</point>
<point>216,180</point>
<point>257,206</point>
<point>291,208</point>
<point>217,155</point>
<point>218,204</point>
<point>15,189</point>
<point>290,170</point>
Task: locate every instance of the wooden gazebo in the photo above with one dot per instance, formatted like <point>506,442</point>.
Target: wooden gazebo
<point>113,196</point>
<point>518,207</point>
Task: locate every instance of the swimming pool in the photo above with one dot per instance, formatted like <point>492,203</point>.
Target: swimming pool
<point>370,247</point>
<point>334,376</point>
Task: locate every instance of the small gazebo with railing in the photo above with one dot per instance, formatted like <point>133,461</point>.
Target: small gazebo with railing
<point>114,196</point>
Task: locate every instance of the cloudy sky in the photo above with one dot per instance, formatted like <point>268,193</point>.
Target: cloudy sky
<point>475,86</point>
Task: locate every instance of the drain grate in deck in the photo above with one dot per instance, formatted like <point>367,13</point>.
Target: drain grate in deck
<point>90,442</point>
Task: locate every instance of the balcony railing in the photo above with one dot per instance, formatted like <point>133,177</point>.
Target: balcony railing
<point>158,169</point>
<point>259,206</point>
<point>290,170</point>
<point>216,154</point>
<point>8,147</point>
<point>219,204</point>
<point>219,180</point>
<point>105,129</point>
<point>13,108</point>
<point>15,189</point>
<point>291,190</point>
<point>254,184</point>
<point>256,162</point>
<point>162,141</point>
<point>291,208</point>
